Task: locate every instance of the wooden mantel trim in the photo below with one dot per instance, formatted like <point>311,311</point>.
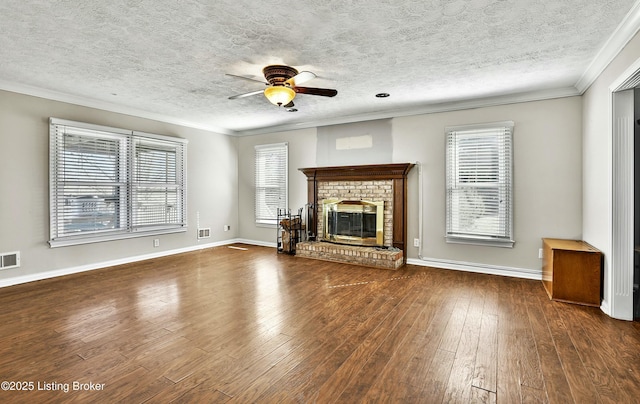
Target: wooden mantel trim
<point>396,172</point>
<point>358,173</point>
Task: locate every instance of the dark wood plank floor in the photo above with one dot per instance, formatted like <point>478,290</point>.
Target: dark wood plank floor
<point>249,325</point>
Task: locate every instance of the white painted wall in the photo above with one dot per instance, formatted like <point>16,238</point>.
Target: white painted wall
<point>24,184</point>
<point>597,159</point>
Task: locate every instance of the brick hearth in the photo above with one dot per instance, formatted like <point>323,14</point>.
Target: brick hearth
<point>381,182</point>
<point>367,256</point>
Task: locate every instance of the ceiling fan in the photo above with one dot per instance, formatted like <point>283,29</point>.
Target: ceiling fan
<point>283,85</point>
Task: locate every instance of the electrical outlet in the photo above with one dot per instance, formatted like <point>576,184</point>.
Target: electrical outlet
<point>416,242</point>
<point>227,227</point>
<point>156,242</point>
<point>540,253</point>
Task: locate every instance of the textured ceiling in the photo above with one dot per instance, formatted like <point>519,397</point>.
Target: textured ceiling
<point>168,58</point>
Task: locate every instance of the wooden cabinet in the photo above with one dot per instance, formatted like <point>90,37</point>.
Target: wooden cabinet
<point>572,271</point>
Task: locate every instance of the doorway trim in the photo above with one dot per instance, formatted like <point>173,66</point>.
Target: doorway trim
<point>620,275</point>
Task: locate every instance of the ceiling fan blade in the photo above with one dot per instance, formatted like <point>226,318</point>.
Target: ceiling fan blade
<point>235,97</point>
<point>300,78</point>
<point>289,105</point>
<point>247,78</point>
<point>325,92</point>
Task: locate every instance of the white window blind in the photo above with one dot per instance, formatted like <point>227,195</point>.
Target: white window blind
<point>479,184</point>
<point>271,176</point>
<point>109,183</point>
<point>158,197</point>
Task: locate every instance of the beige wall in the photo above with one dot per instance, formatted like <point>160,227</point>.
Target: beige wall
<point>24,178</point>
<point>302,153</point>
<point>597,167</point>
<point>547,178</point>
<point>547,165</point>
<point>548,182</point>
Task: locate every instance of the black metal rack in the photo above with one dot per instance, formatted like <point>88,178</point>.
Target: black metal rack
<point>291,230</point>
<point>309,217</point>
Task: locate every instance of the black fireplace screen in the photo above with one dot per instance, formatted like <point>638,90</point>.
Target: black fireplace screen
<point>353,224</point>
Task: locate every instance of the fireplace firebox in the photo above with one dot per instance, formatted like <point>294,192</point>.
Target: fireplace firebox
<point>353,222</point>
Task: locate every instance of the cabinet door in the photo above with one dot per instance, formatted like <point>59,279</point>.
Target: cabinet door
<point>576,277</point>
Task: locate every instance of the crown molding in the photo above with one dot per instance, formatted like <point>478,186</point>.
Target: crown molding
<point>421,110</point>
<point>425,109</point>
<point>616,42</point>
<point>621,36</point>
<point>106,106</point>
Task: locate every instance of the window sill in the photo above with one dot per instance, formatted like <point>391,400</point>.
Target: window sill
<point>480,241</point>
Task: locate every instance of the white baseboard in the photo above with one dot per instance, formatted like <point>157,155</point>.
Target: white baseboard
<point>89,267</point>
<point>604,306</point>
<point>427,262</point>
<point>255,242</point>
<point>447,264</point>
<point>478,268</point>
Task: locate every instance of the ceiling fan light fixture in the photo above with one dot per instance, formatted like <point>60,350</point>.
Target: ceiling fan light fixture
<point>279,95</point>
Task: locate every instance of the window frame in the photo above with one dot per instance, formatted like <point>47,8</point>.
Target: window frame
<point>122,173</point>
<point>281,189</point>
<point>502,133</point>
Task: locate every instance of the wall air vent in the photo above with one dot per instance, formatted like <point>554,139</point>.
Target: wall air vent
<point>204,233</point>
<point>10,260</point>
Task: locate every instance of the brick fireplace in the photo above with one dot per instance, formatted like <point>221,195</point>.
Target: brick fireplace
<point>383,182</point>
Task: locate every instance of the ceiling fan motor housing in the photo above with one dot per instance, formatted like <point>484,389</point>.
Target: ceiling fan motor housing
<point>282,85</point>
<point>276,75</point>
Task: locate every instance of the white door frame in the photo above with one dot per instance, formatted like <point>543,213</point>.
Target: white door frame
<point>621,124</point>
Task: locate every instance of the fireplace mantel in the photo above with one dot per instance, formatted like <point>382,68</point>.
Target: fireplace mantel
<point>359,173</point>
<point>397,173</point>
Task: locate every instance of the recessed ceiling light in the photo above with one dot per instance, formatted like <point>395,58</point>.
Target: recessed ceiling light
<point>382,95</point>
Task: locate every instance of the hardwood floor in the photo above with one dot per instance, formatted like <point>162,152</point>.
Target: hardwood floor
<point>249,325</point>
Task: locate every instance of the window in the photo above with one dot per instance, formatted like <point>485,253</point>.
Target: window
<point>479,184</point>
<point>271,181</point>
<point>109,183</point>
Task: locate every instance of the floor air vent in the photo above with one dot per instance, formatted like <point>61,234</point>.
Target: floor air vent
<point>204,233</point>
<point>10,260</point>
